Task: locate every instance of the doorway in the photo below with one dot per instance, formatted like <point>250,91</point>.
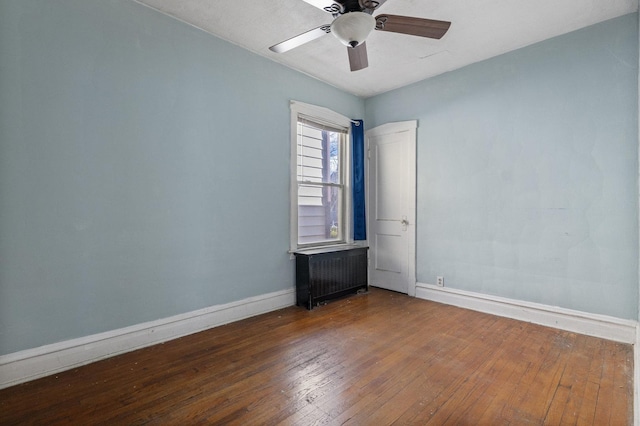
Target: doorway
<point>391,206</point>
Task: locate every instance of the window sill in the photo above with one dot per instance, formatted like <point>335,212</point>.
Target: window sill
<point>329,247</point>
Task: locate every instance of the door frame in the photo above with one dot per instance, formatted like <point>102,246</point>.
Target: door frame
<point>411,127</point>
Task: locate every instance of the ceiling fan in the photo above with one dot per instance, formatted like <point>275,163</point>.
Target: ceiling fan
<point>352,23</point>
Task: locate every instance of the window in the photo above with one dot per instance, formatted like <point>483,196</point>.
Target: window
<point>319,184</point>
<point>320,181</point>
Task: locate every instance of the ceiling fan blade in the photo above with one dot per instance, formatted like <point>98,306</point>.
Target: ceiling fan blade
<point>326,5</point>
<point>358,58</point>
<point>413,26</point>
<point>301,39</point>
<point>368,6</point>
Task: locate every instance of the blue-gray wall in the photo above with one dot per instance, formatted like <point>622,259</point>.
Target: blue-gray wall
<point>528,171</point>
<point>144,168</point>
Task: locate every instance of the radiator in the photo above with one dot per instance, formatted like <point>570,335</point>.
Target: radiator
<point>324,274</point>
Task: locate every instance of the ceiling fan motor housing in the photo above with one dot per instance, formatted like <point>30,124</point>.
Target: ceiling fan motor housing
<point>354,21</point>
<point>353,28</point>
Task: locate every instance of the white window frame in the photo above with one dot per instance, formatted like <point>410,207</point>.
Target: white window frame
<point>323,115</point>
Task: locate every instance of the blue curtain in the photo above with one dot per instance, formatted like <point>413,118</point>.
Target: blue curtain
<point>359,218</point>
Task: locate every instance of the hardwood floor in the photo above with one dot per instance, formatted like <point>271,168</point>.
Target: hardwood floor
<point>375,359</point>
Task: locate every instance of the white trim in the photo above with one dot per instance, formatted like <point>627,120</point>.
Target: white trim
<point>329,116</point>
<point>30,364</point>
<point>395,127</point>
<point>325,114</point>
<point>596,325</point>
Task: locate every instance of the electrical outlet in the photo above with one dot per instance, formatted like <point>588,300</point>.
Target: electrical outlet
<point>440,281</point>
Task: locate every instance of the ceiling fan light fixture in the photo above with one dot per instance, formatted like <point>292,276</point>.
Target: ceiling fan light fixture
<point>353,28</point>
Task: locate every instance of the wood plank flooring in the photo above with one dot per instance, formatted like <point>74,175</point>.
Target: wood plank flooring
<point>374,359</point>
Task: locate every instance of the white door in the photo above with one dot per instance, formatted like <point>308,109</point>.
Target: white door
<point>391,206</point>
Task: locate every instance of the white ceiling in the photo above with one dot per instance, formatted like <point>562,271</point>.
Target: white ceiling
<point>480,29</point>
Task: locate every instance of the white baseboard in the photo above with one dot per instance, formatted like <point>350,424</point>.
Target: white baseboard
<point>602,326</point>
<point>30,364</point>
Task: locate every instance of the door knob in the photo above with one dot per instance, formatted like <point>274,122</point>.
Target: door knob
<point>405,222</point>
